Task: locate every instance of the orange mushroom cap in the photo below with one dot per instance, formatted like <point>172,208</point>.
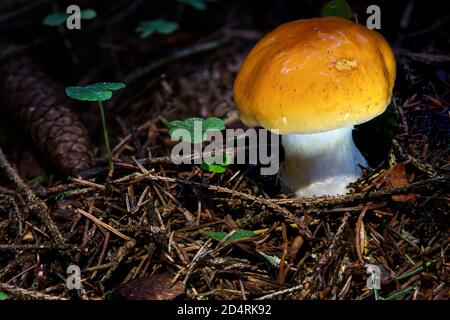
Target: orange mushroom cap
<point>315,75</point>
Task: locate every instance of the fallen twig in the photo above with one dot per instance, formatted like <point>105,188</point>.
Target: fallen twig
<point>37,206</point>
<point>28,293</point>
<point>135,177</point>
<point>102,224</point>
<point>324,202</point>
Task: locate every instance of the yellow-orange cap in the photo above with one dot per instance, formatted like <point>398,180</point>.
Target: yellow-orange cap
<point>315,75</point>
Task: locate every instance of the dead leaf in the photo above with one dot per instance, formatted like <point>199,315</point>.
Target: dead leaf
<point>404,197</point>
<point>361,235</point>
<point>155,287</point>
<point>28,237</point>
<point>296,245</point>
<point>396,178</point>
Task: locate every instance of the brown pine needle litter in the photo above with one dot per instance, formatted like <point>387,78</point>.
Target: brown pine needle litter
<point>177,231</point>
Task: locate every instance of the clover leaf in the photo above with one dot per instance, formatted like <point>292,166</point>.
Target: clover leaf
<point>196,133</point>
<point>58,18</point>
<point>55,19</point>
<point>218,167</point>
<point>197,4</point>
<point>88,14</point>
<point>201,125</point>
<point>101,91</point>
<point>338,8</point>
<point>162,26</point>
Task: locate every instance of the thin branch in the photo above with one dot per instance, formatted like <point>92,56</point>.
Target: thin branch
<point>37,206</point>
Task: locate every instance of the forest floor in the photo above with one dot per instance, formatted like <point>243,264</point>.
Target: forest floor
<point>147,232</point>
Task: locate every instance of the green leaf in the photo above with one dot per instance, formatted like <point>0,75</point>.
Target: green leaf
<point>338,8</point>
<point>400,293</point>
<point>101,91</point>
<point>112,86</point>
<point>149,27</point>
<point>413,272</point>
<point>214,123</point>
<point>192,123</point>
<point>219,236</point>
<point>197,4</point>
<point>88,14</point>
<point>216,168</point>
<point>189,125</point>
<point>84,94</point>
<point>3,296</point>
<point>55,19</point>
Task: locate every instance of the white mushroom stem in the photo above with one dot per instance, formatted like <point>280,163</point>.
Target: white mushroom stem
<point>320,163</point>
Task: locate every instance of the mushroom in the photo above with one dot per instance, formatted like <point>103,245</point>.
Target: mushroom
<point>311,81</point>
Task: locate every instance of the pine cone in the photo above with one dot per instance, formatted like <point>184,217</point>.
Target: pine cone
<point>40,105</point>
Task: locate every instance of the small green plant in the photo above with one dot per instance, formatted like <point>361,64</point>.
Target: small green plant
<point>338,8</point>
<point>197,4</point>
<point>148,27</point>
<point>3,296</point>
<point>401,293</point>
<point>218,168</point>
<point>237,235</point>
<point>98,92</point>
<point>210,124</point>
<point>58,18</point>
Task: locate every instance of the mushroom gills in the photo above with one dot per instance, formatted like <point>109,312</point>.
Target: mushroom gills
<point>319,164</point>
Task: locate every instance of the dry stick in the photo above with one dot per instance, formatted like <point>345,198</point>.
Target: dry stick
<point>421,166</point>
<point>102,224</point>
<point>200,253</point>
<point>88,183</point>
<point>27,293</point>
<point>37,206</point>
<point>319,202</point>
<point>286,213</point>
<point>17,215</point>
<point>130,164</point>
<point>102,253</point>
<point>121,254</point>
<point>328,255</point>
<point>124,164</point>
<point>278,293</point>
<point>32,247</point>
<point>380,194</point>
